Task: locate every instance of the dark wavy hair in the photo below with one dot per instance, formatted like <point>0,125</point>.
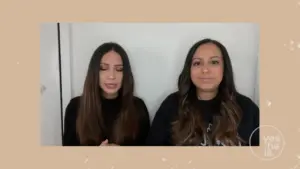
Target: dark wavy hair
<point>189,128</point>
<point>90,123</point>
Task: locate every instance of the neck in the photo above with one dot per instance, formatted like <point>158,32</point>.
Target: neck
<point>206,95</point>
<point>110,96</point>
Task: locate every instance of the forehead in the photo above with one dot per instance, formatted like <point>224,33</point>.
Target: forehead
<point>111,57</point>
<point>206,51</point>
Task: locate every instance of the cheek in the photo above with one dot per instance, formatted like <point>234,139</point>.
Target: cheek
<point>194,73</point>
<point>101,78</point>
<point>218,73</point>
<point>119,77</point>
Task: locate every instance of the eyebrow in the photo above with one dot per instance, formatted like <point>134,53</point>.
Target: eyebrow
<point>212,57</point>
<point>113,65</point>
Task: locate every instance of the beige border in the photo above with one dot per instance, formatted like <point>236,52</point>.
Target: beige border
<point>279,24</point>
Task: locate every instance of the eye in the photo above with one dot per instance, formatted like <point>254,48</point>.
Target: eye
<point>215,62</point>
<point>196,63</point>
<point>119,69</point>
<point>103,68</point>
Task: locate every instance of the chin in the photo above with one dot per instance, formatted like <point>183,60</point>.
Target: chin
<point>111,92</point>
<point>207,88</point>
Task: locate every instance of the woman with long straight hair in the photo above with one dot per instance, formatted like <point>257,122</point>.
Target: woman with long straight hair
<point>207,109</point>
<point>107,113</point>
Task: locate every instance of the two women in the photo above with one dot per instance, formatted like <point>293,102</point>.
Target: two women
<point>205,111</point>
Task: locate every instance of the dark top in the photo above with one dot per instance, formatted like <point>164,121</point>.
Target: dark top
<point>160,131</point>
<point>112,106</point>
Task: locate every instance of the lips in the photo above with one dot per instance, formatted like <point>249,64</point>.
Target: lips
<point>206,79</point>
<point>111,85</point>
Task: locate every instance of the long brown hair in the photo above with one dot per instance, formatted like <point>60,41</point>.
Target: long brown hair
<point>188,128</point>
<point>90,123</point>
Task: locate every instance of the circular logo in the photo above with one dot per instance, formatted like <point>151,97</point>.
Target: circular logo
<point>271,143</point>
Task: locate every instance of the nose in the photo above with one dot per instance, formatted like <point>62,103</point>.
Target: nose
<point>205,69</point>
<point>111,75</point>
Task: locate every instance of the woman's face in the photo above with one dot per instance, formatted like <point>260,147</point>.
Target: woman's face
<point>207,68</point>
<point>111,74</point>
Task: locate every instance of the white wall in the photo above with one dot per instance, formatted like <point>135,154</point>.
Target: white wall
<point>157,53</point>
<point>50,91</point>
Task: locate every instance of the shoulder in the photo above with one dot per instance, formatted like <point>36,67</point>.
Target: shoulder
<point>250,119</point>
<point>74,102</point>
<point>139,102</point>
<point>169,105</point>
<point>248,107</point>
<point>171,99</point>
<point>141,107</point>
<point>72,107</point>
<point>245,101</point>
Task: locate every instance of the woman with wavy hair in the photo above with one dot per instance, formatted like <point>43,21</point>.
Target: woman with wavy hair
<point>107,113</point>
<point>206,110</point>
